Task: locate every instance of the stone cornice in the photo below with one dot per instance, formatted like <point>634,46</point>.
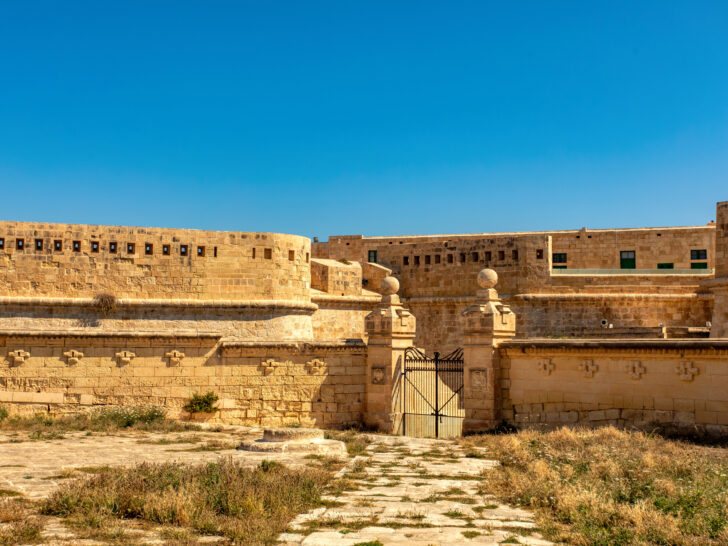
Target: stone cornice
<point>328,300</point>
<point>106,334</point>
<point>614,296</point>
<point>160,302</point>
<point>630,346</point>
<point>231,347</point>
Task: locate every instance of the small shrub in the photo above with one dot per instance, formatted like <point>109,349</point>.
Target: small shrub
<point>3,414</point>
<point>202,403</point>
<point>105,302</point>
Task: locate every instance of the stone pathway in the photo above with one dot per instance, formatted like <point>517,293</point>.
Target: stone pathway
<point>416,492</point>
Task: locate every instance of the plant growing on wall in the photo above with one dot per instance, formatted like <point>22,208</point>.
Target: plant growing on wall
<point>105,302</point>
<point>202,403</point>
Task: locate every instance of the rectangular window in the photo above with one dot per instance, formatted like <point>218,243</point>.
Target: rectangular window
<point>627,259</point>
<point>488,256</point>
<point>450,258</point>
<point>20,244</point>
<point>539,254</point>
<point>183,250</point>
<point>372,256</point>
<point>254,254</point>
<point>77,246</point>
<point>201,251</point>
<point>699,265</point>
<point>165,250</point>
<point>268,253</point>
<point>501,254</point>
<point>405,260</point>
<point>112,248</point>
<point>514,254</point>
<point>308,257</point>
<point>291,255</point>
<point>666,266</point>
<point>559,257</point>
<point>148,249</point>
<point>437,258</point>
<point>700,254</point>
<point>94,246</point>
<point>39,244</point>
<point>475,256</point>
<point>462,257</point>
<point>130,248</point>
<point>559,267</point>
<point>2,244</point>
<point>417,260</point>
<point>427,260</point>
<point>57,245</point>
<point>214,252</point>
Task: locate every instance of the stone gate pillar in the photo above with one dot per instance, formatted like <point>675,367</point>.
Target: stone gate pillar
<point>719,285</point>
<point>487,323</point>
<point>391,330</point>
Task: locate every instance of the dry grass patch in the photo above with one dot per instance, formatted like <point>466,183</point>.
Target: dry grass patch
<point>608,486</point>
<point>18,523</point>
<point>246,505</point>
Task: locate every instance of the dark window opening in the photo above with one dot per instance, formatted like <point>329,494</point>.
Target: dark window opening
<point>539,254</point>
<point>450,258</point>
<point>559,267</point>
<point>488,256</point>
<point>701,254</point>
<point>94,246</point>
<point>501,254</point>
<point>130,248</point>
<point>39,244</point>
<point>427,260</point>
<point>268,253</point>
<point>417,260</point>
<point>699,265</point>
<point>77,246</point>
<point>515,255</point>
<point>20,244</point>
<point>308,257</point>
<point>462,257</point>
<point>665,266</point>
<point>214,252</point>
<point>475,257</point>
<point>165,250</point>
<point>112,248</point>
<point>2,244</point>
<point>291,255</point>
<point>254,254</point>
<point>183,250</point>
<point>405,260</point>
<point>627,259</point>
<point>201,251</point>
<point>372,256</point>
<point>148,249</point>
<point>437,258</point>
<point>559,258</point>
<point>58,245</point>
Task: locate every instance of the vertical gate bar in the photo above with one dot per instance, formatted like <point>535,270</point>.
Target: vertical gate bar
<point>437,397</point>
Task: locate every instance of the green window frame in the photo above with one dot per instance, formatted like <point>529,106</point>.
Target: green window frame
<point>372,256</point>
<point>699,265</point>
<point>666,266</point>
<point>559,267</point>
<point>559,257</point>
<point>627,259</point>
<point>699,254</point>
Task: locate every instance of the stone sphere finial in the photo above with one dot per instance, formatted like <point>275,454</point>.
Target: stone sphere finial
<point>389,286</point>
<point>487,278</point>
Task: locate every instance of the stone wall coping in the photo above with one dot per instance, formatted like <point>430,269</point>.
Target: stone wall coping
<point>112,334</point>
<point>611,295</point>
<point>330,298</point>
<point>699,273</point>
<point>161,302</point>
<point>354,345</point>
<point>652,345</point>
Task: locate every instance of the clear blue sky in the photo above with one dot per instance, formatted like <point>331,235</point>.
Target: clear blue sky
<point>373,117</point>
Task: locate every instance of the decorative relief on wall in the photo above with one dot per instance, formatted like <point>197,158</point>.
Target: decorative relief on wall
<point>175,357</point>
<point>73,357</point>
<point>635,369</point>
<point>315,366</point>
<point>269,366</point>
<point>686,370</point>
<point>124,357</point>
<point>18,357</point>
<point>546,366</point>
<point>589,368</point>
<point>378,376</point>
<point>478,378</point>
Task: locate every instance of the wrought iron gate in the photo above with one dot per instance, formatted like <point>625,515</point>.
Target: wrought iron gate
<point>431,397</point>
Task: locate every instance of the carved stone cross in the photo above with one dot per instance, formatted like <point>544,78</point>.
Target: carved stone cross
<point>686,370</point>
<point>175,357</point>
<point>635,369</point>
<point>125,357</point>
<point>18,356</point>
<point>73,356</point>
<point>546,366</point>
<point>589,368</point>
<point>315,366</point>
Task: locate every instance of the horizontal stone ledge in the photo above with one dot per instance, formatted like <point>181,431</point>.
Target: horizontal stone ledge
<point>160,302</point>
<point>612,296</point>
<point>229,344</point>
<point>663,345</point>
<point>332,299</point>
<point>106,334</point>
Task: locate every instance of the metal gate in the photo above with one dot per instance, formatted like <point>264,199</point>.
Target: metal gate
<point>431,397</point>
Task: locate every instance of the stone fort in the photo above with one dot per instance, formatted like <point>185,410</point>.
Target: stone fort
<point>620,326</point>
